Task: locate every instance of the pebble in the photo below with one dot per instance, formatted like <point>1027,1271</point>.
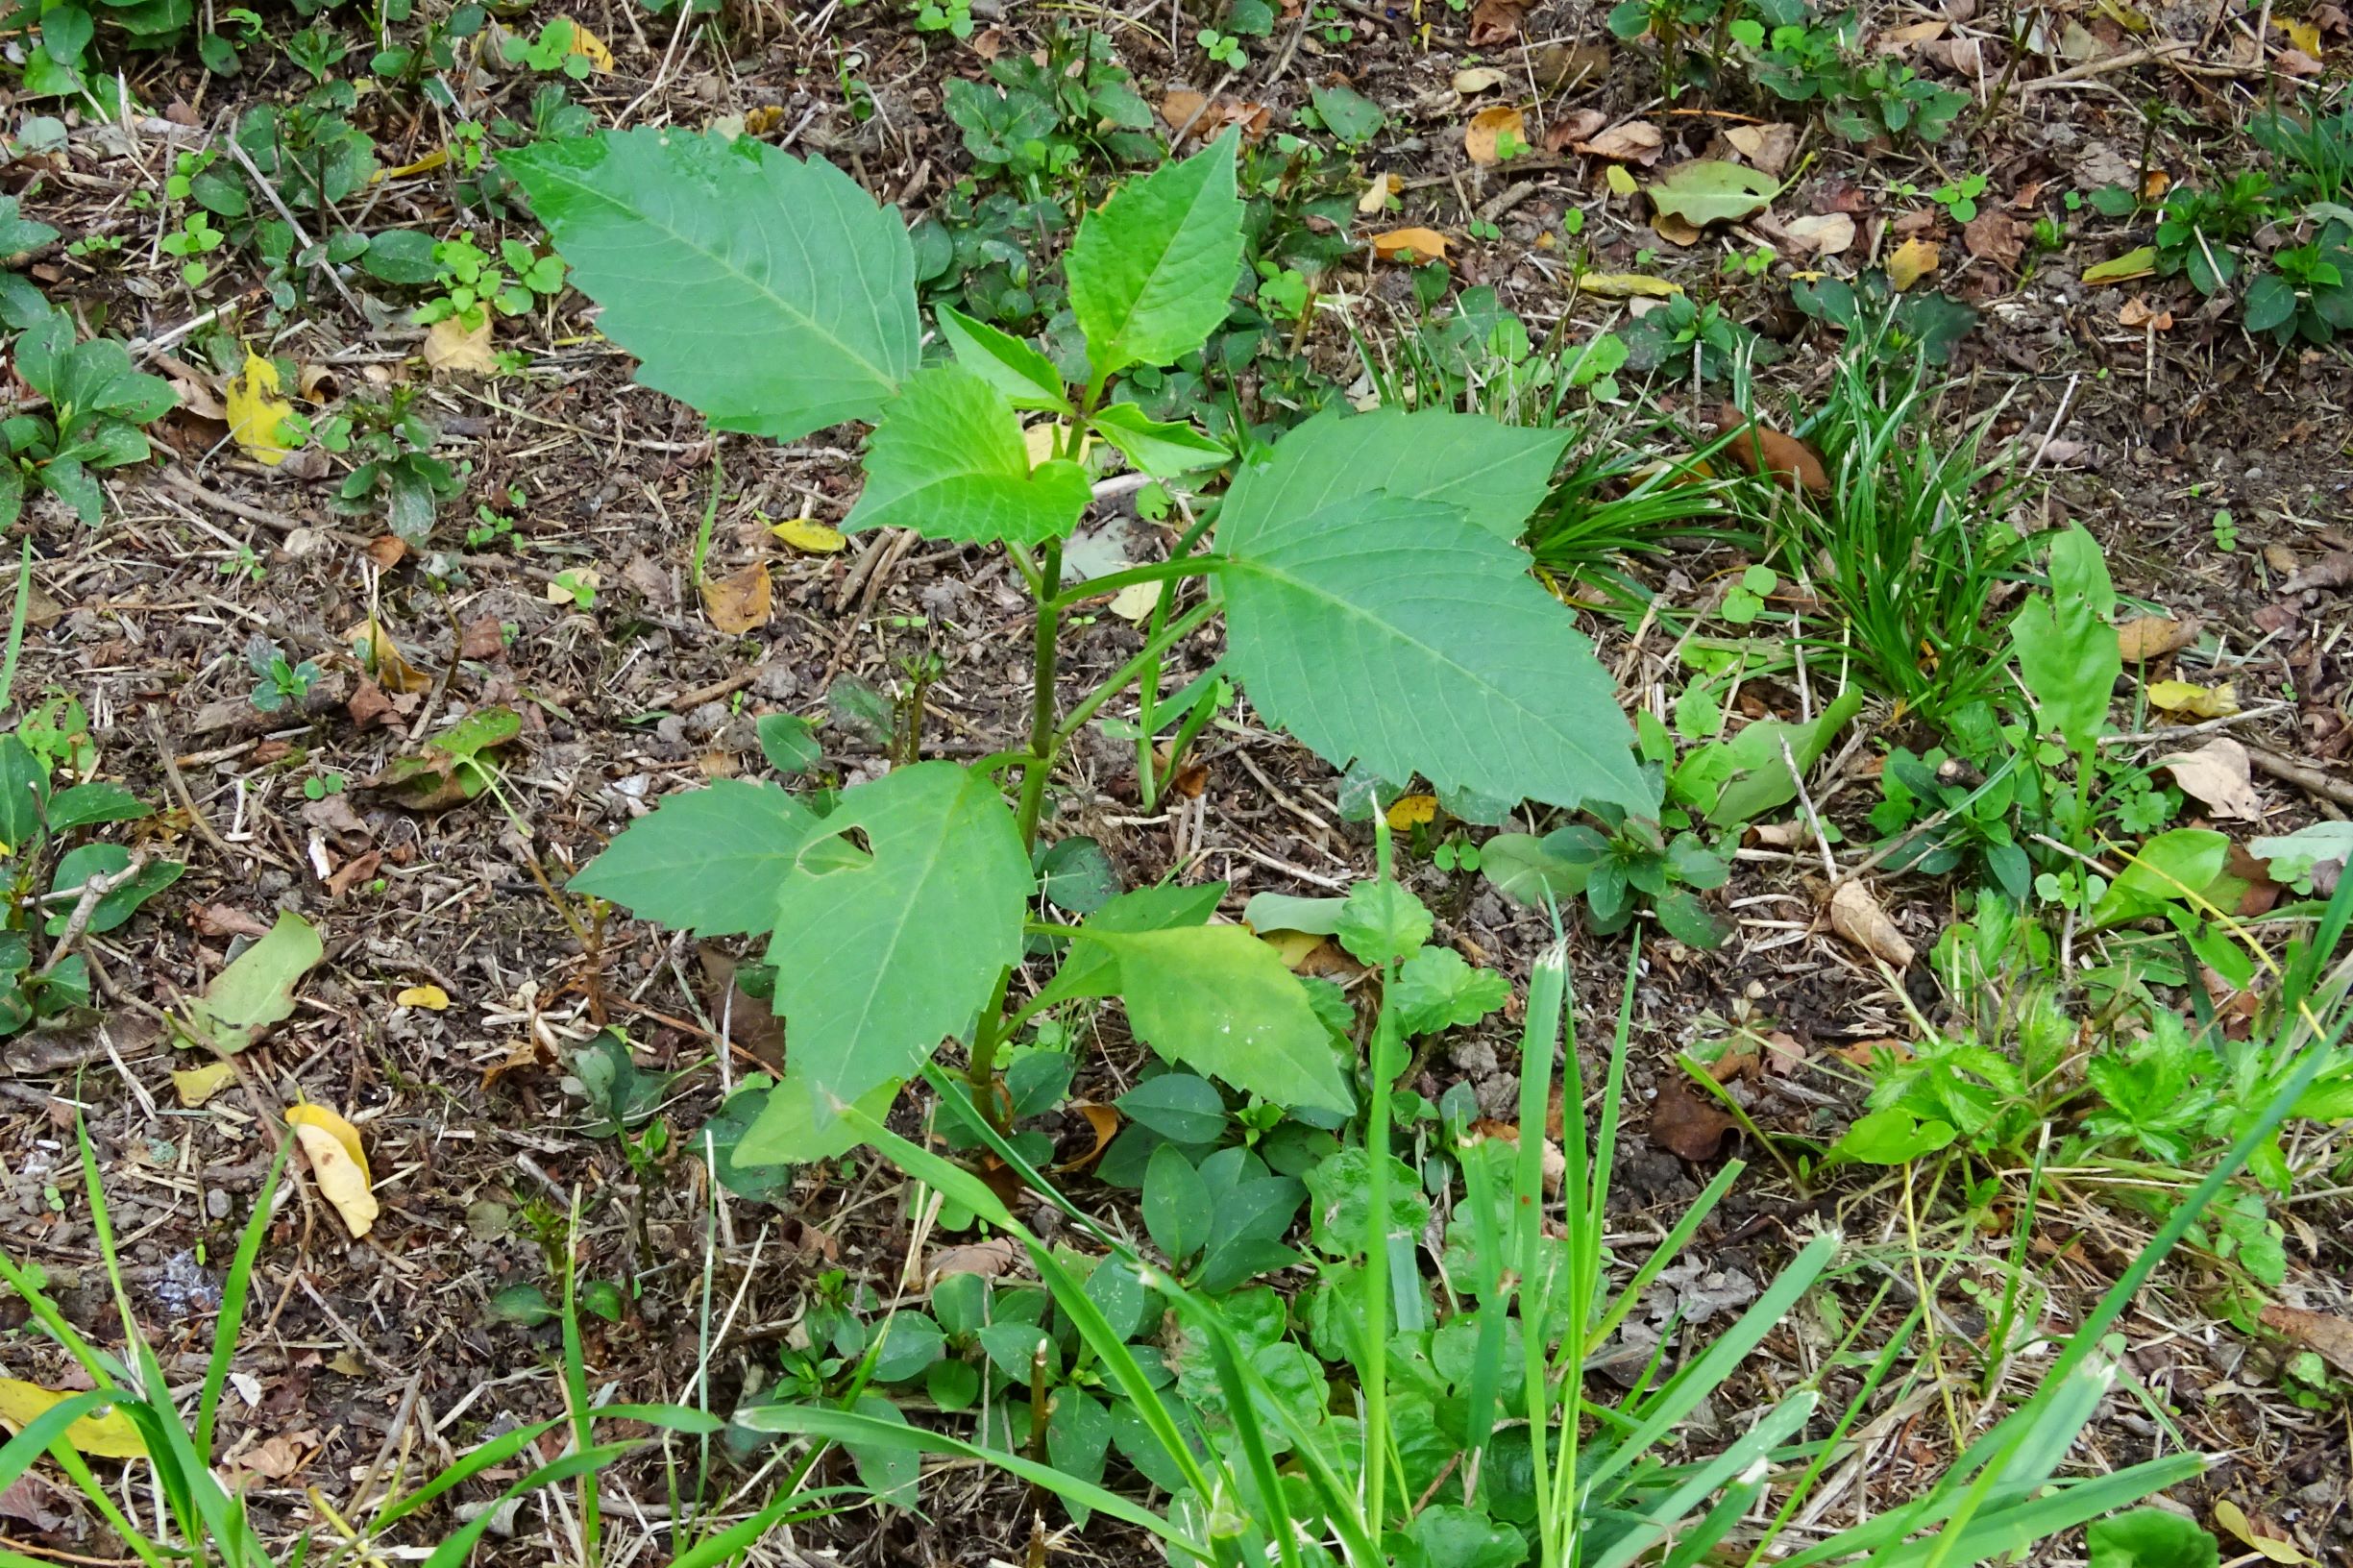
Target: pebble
<point>216,1203</point>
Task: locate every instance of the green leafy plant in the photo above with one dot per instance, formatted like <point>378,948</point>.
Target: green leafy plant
<point>283,684</point>
<point>93,887</point>
<point>1614,868</point>
<point>1362,529</point>
<point>396,473</point>
<point>2307,294</point>
<point>1036,121</point>
<point>95,404</point>
<point>471,282</point>
<point>1457,1432</point>
<point>22,304</point>
<point>2200,230</point>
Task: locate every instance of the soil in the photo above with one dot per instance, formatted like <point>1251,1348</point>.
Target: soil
<point>361,1353</point>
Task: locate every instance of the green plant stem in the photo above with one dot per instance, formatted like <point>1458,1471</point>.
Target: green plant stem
<point>1373,1373</point>
<point>1041,696</point>
<point>1111,582</point>
<point>1147,685</point>
<point>1122,677</point>
<point>988,1034</point>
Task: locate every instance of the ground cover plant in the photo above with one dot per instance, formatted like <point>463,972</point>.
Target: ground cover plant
<point>923,783</point>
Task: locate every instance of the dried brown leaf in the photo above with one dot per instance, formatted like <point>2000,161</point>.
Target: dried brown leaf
<point>740,601</point>
<point>2150,637</point>
<point>1685,1120</point>
<point>1636,141</point>
<point>2216,775</point>
<point>1766,147</point>
<point>1762,450</point>
<point>1993,235</point>
<point>1857,916</point>
<point>2327,1333</point>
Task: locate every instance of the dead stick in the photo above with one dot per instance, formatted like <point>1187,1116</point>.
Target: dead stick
<point>2302,774</point>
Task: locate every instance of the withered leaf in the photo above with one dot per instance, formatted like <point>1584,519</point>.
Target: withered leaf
<point>1685,1121</point>
<point>1760,448</point>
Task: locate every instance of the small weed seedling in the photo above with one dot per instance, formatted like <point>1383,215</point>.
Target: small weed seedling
<point>95,406</point>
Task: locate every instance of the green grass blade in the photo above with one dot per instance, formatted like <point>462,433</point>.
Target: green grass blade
<point>1687,1387</point>
<point>453,1552</point>
<point>846,1427</point>
<point>234,1291</point>
<point>1708,1479</point>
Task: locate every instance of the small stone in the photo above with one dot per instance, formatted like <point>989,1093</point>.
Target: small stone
<point>216,1203</point>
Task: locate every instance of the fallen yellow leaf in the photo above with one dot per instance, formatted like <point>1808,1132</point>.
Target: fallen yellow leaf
<point>1414,247</point>
<point>1626,286</point>
<point>2303,35</point>
<point>2182,696</point>
<point>383,659</point>
<point>197,1085</point>
<point>424,165</point>
<point>1293,947</point>
<point>107,1436</point>
<point>1621,179</point>
<point>257,413</point>
<point>2141,262</point>
<point>1378,192</point>
<point>337,1163</point>
<point>1494,133</point>
<point>1913,259</point>
<point>1413,811</point>
<point>591,47</point>
<point>431,998</point>
<point>450,345</point>
<point>740,601</point>
<point>815,538</point>
<point>1134,601</point>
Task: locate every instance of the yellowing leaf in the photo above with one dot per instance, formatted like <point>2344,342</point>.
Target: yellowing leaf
<point>257,413</point>
<point>450,345</point>
<point>591,47</point>
<point>432,998</point>
<point>2233,1518</point>
<point>1913,259</point>
<point>1621,179</point>
<point>424,165</point>
<point>2303,35</point>
<point>197,1085</point>
<point>1494,132</point>
<point>337,1163</point>
<point>740,601</point>
<point>1626,286</point>
<point>108,1437</point>
<point>1413,811</point>
<point>2182,696</point>
<point>1377,194</point>
<point>1415,247</point>
<point>2141,262</point>
<point>1134,601</point>
<point>815,538</point>
<point>1293,947</point>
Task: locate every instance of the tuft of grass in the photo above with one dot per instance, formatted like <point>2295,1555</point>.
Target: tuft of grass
<point>202,1523</point>
<point>1910,545</point>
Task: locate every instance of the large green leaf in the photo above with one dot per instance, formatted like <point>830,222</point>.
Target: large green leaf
<point>707,860</point>
<point>947,461</point>
<point>1495,473</point>
<point>1218,999</point>
<point>1151,273</point>
<point>772,295</point>
<point>2067,650</point>
<point>1401,634</point>
<point>882,954</point>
